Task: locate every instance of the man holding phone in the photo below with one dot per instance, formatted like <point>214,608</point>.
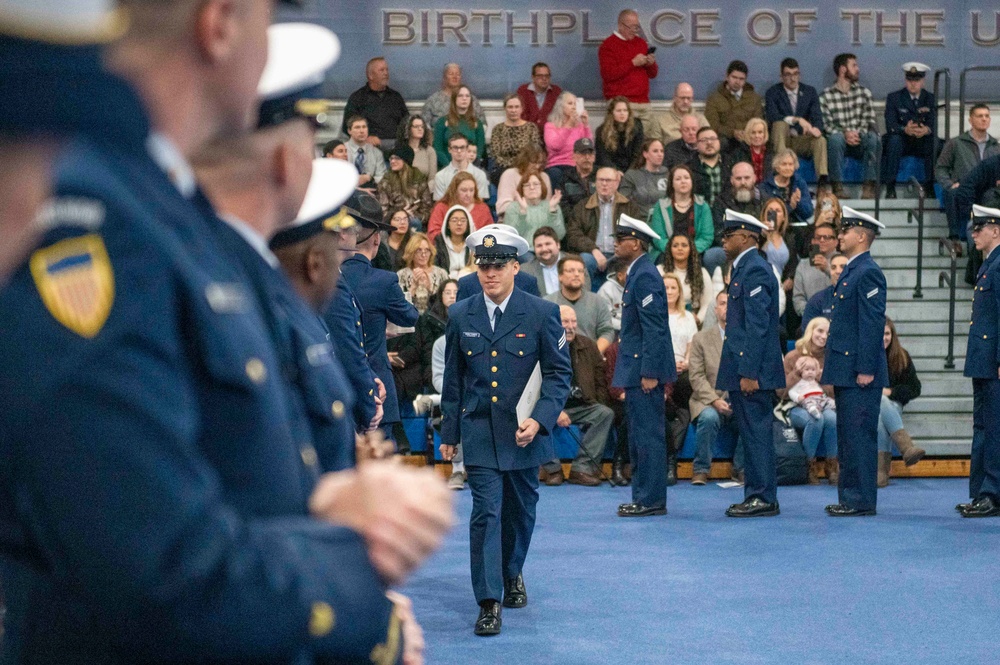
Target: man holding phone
<point>627,64</point>
<point>813,276</point>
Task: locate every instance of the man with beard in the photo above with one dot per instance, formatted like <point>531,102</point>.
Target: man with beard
<point>849,125</point>
<point>710,174</point>
<point>740,195</point>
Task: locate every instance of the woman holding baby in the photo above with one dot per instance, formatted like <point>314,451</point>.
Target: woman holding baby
<point>813,413</point>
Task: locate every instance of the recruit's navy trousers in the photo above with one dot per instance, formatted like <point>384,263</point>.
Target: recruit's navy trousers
<point>984,468</point>
<point>647,445</point>
<point>503,518</point>
<point>857,444</point>
<point>753,414</point>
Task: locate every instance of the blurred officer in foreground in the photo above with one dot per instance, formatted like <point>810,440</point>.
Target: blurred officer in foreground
<point>346,322</point>
<point>166,494</point>
<point>982,364</point>
<point>380,298</point>
<point>53,87</point>
<point>645,368</point>
<point>751,368</point>
<point>855,364</point>
<point>493,344</point>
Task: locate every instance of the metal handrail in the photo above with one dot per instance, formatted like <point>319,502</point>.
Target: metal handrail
<point>945,104</point>
<point>949,278</point>
<point>918,214</point>
<point>961,91</point>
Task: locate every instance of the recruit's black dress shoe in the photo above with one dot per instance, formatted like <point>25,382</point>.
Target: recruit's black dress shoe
<point>982,507</point>
<point>514,594</point>
<point>840,510</point>
<point>961,507</point>
<point>639,510</point>
<point>753,507</point>
<point>489,621</point>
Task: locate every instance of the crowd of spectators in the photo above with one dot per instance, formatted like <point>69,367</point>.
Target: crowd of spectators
<point>562,186</point>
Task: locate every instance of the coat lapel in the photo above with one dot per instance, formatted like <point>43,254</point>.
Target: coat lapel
<point>478,319</point>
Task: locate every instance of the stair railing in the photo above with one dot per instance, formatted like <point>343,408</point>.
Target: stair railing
<point>950,278</point>
<point>918,215</point>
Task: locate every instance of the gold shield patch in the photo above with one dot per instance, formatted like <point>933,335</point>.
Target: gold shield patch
<point>76,283</point>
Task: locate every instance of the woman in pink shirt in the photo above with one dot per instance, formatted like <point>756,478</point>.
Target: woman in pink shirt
<point>564,128</point>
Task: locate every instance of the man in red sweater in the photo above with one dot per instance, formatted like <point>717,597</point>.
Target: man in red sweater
<point>538,97</point>
<point>627,66</point>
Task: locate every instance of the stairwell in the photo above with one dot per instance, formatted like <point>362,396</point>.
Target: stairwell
<point>940,420</point>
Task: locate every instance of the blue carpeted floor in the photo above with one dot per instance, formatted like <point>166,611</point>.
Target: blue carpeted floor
<point>915,584</point>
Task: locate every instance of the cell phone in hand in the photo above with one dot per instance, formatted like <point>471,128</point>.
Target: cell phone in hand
<point>580,110</point>
<point>813,252</point>
<point>651,51</point>
<point>772,216</point>
<point>826,206</point>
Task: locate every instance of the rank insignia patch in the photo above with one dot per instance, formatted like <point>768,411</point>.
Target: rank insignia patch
<point>76,283</point>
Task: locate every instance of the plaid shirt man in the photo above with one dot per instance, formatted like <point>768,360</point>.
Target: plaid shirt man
<point>850,111</point>
<point>711,179</point>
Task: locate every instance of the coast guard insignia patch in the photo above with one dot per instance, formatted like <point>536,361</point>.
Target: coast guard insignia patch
<point>76,283</point>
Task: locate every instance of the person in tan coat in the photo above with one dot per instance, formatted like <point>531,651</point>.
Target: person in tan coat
<point>732,104</point>
<point>710,408</point>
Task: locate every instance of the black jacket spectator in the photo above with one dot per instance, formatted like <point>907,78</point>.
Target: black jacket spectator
<point>727,200</point>
<point>904,385</point>
<point>383,110</point>
<point>576,188</point>
<point>625,152</point>
<point>430,326</point>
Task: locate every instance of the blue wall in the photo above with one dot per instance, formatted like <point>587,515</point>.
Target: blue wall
<point>694,42</point>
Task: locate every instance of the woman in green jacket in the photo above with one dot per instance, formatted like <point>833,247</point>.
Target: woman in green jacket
<point>682,211</point>
<point>461,118</point>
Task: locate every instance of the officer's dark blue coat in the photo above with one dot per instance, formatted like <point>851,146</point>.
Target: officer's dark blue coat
<point>982,360</point>
<point>819,305</point>
<point>345,320</point>
<point>152,502</point>
<point>899,110</point>
<point>485,374</point>
<point>752,351</point>
<point>381,300</point>
<point>468,285</point>
<point>857,320</point>
<point>982,357</point>
<point>645,350</point>
<point>321,402</point>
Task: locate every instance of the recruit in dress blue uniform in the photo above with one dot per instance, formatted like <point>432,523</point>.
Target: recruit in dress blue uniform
<point>149,477</point>
<point>854,350</point>
<point>645,352</point>
<point>752,352</point>
<point>491,351</point>
<point>982,365</point>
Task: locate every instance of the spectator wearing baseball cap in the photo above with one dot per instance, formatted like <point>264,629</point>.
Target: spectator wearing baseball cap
<point>579,183</point>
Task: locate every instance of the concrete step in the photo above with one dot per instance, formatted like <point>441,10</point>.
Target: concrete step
<point>946,446</point>
<point>936,363</point>
<point>932,294</point>
<point>905,276</point>
<point>904,230</point>
<point>914,310</point>
<point>938,382</point>
<point>918,329</point>
<point>909,262</point>
<point>925,405</point>
<point>932,347</point>
<point>940,426</point>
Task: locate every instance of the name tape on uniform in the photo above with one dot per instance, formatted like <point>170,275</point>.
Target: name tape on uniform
<point>471,334</point>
